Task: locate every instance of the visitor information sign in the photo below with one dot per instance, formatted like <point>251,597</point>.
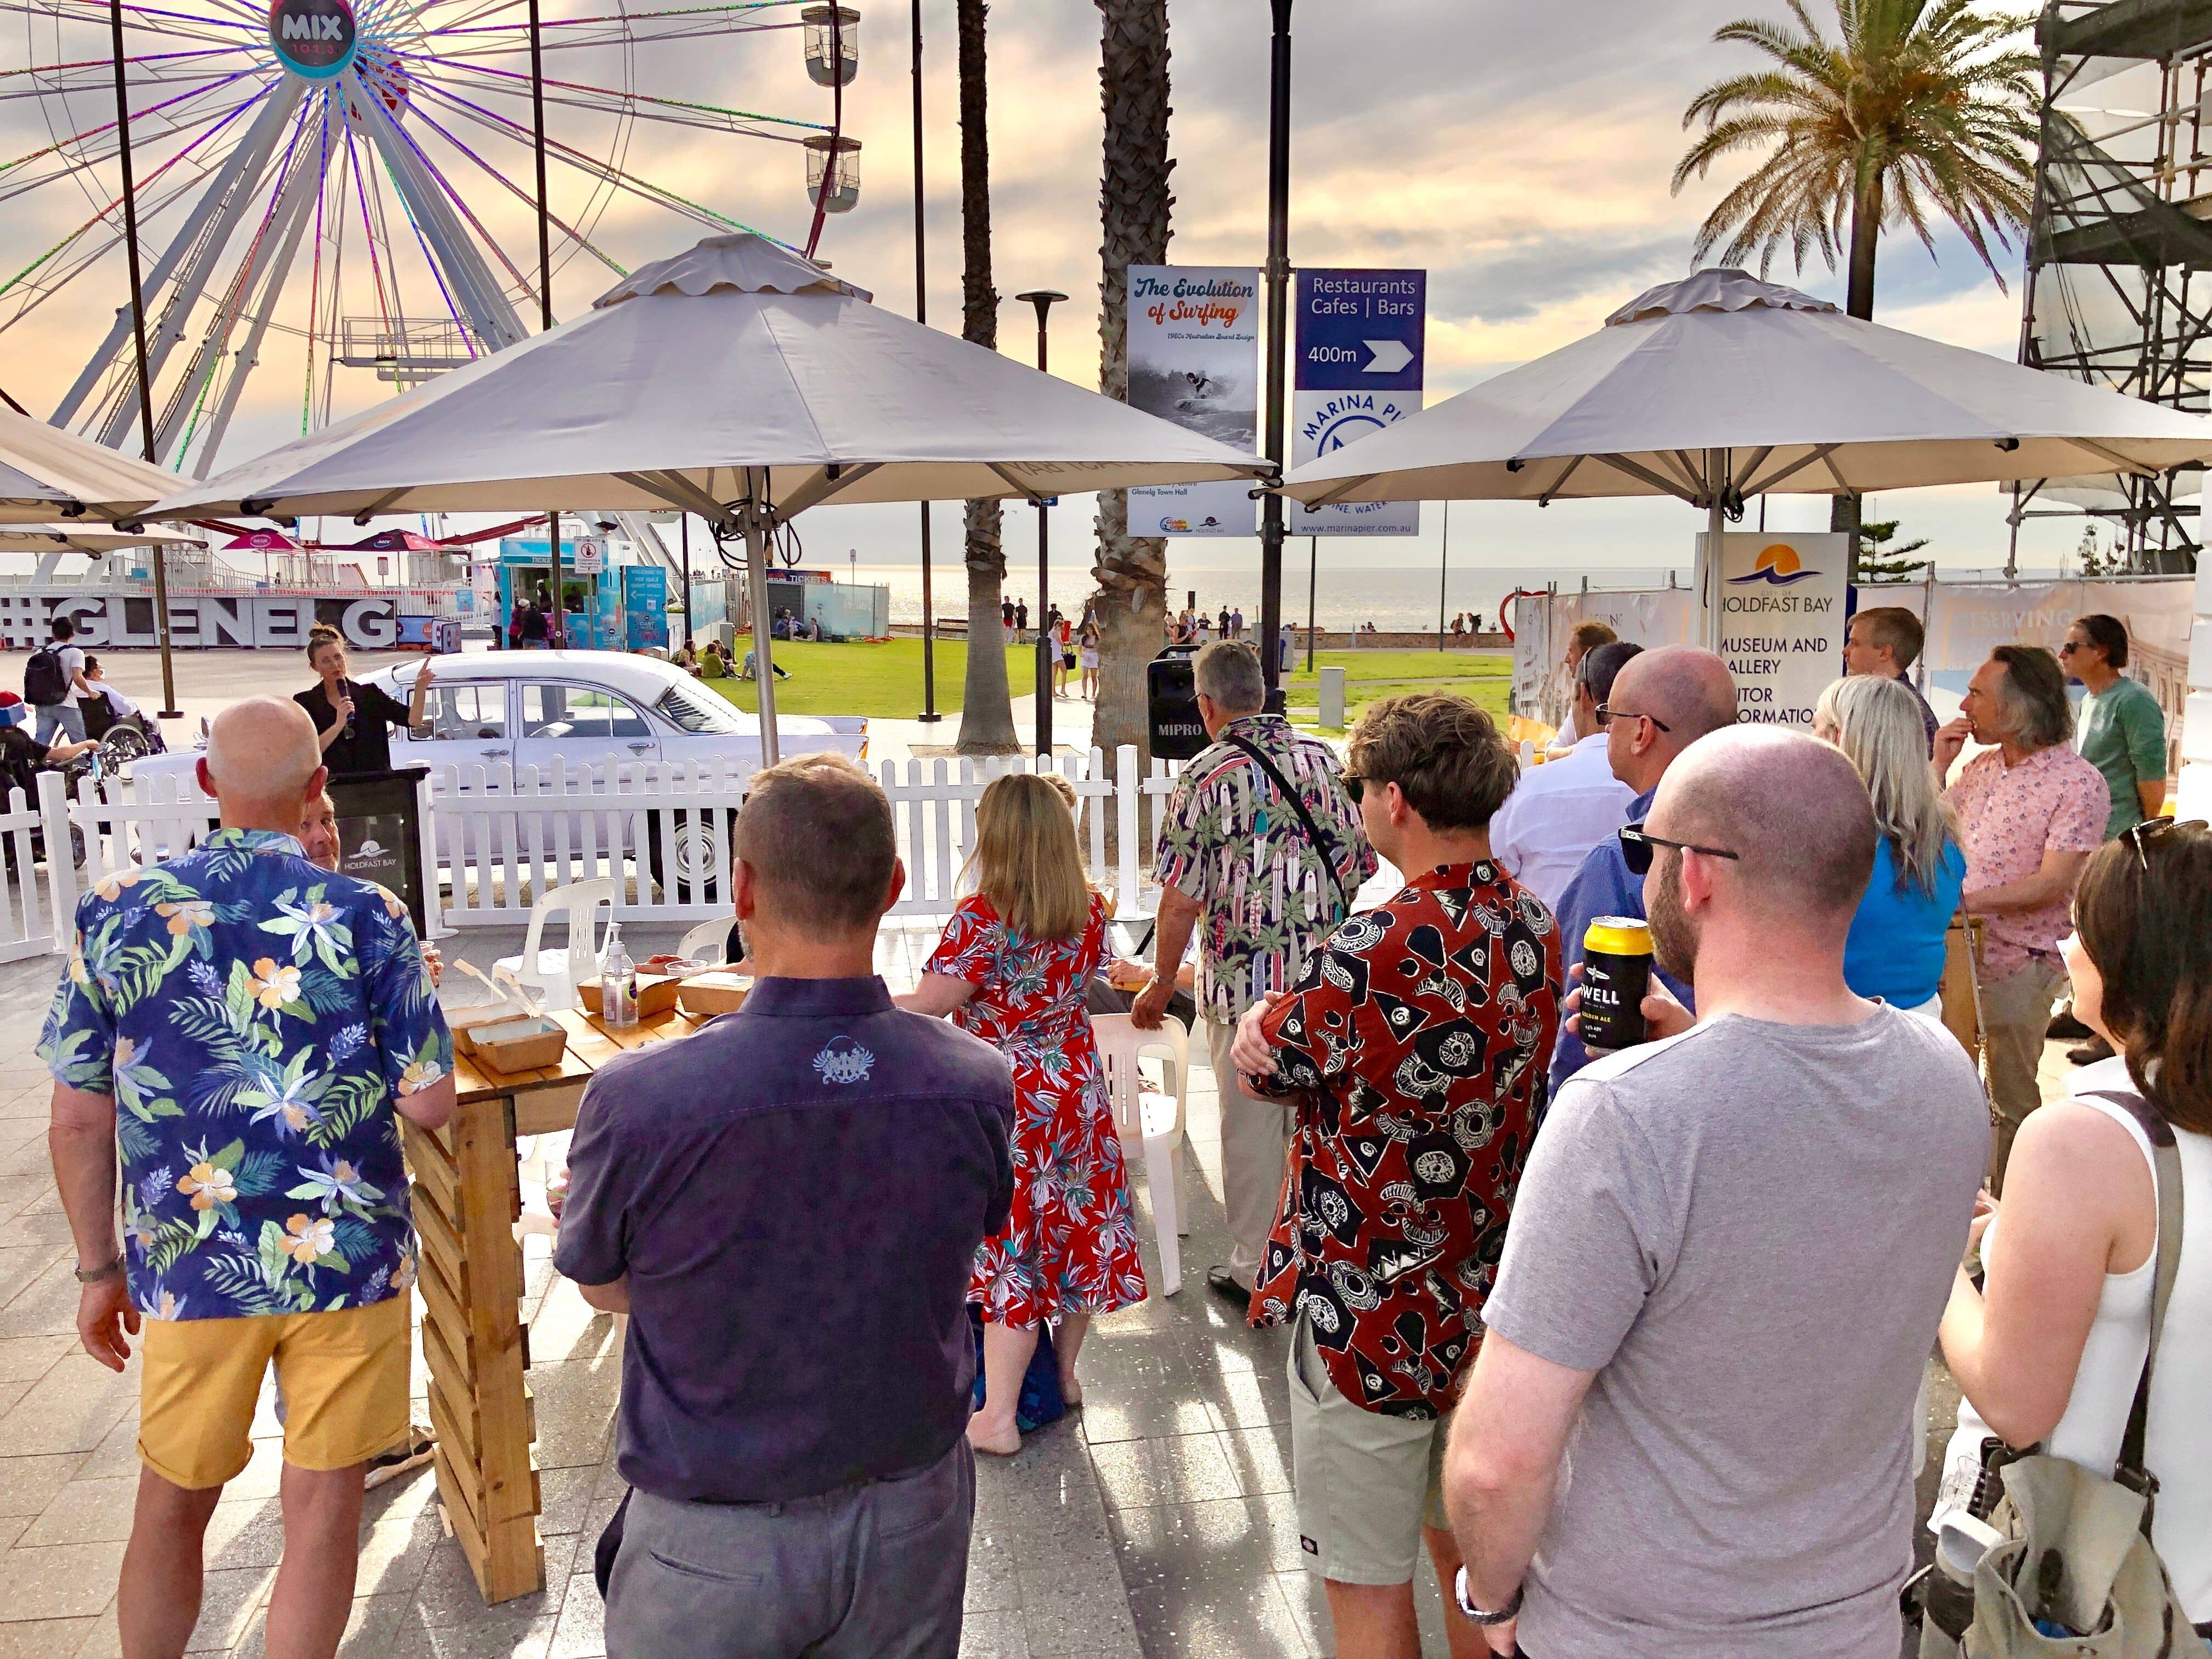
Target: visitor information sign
<point>1357,337</point>
<point>1781,621</point>
<point>1195,360</point>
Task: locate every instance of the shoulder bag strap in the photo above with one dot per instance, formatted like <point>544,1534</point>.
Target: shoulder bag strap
<point>1321,842</point>
<point>2165,1174</point>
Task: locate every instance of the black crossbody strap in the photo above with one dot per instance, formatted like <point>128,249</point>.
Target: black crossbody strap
<point>2166,1175</point>
<point>1321,843</point>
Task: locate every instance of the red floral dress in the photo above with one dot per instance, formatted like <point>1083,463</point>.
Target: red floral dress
<point>1070,1244</point>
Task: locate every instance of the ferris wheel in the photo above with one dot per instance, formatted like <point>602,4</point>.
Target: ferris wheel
<point>330,197</point>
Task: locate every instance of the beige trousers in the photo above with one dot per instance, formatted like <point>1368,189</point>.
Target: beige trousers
<point>2016,1010</point>
<point>1255,1137</point>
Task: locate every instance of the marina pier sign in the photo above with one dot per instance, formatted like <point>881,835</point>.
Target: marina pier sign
<point>1356,367</point>
<point>250,621</point>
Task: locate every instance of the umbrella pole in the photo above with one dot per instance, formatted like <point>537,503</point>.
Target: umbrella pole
<point>757,550</point>
<point>1709,589</point>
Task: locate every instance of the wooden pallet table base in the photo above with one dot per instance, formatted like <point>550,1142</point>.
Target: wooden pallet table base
<point>467,1198</point>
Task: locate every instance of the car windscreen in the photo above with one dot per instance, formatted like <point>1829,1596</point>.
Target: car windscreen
<point>694,708</point>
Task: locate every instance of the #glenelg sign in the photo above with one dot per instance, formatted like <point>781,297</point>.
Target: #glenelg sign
<point>1358,342</point>
<point>1781,621</point>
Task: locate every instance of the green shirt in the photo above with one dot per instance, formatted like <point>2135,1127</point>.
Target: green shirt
<point>2124,736</point>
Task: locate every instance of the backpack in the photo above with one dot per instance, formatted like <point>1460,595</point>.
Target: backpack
<point>44,685</point>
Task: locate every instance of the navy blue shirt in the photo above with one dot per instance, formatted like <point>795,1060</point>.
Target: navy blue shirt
<point>1601,887</point>
<point>796,1193</point>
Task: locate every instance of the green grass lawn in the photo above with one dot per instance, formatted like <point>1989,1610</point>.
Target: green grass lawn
<point>1482,676</point>
<point>882,680</point>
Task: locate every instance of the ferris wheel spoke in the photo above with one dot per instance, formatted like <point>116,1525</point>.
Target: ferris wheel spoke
<point>136,15</point>
<point>583,94</point>
<point>13,182</point>
<point>104,68</point>
<point>460,203</point>
<point>104,131</point>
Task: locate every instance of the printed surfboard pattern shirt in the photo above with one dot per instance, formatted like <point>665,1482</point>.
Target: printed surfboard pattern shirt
<point>254,1018</point>
<point>1415,1042</point>
<point>1229,840</point>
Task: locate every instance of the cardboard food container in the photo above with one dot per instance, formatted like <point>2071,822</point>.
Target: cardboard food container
<point>465,1026</point>
<point>656,995</point>
<point>707,994</point>
<point>520,1045</point>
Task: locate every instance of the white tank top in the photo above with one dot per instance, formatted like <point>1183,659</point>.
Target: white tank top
<point>2178,1438</point>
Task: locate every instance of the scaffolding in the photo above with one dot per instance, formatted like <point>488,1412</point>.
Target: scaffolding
<point>2119,251</point>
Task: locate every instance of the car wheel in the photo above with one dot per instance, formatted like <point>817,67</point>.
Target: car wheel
<point>696,875</point>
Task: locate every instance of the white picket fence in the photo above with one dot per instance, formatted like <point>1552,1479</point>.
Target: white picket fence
<point>500,839</point>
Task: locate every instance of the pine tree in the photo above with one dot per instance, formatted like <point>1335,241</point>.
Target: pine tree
<point>1881,563</point>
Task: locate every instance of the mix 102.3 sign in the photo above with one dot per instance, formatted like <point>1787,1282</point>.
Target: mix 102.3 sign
<point>314,39</point>
<point>121,621</point>
<point>1360,338</point>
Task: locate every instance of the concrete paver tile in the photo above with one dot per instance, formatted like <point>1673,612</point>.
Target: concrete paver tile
<point>71,1408</point>
<point>992,1585</point>
<point>1173,1469</point>
<point>85,1512</point>
<point>47,1305</point>
<point>28,1358</point>
<point>245,1533</point>
<point>582,1632</point>
<point>27,1484</point>
<point>994,1634</point>
<point>67,1582</point>
<point>43,1638</point>
<point>228,1603</point>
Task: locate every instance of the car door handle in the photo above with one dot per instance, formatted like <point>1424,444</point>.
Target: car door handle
<point>494,754</point>
<point>639,748</point>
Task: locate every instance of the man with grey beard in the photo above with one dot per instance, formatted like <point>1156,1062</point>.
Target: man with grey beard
<point>1725,1265</point>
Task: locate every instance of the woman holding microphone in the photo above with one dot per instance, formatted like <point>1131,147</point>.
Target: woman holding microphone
<point>353,720</point>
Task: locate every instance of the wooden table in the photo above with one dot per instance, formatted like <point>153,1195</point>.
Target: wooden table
<point>467,1198</point>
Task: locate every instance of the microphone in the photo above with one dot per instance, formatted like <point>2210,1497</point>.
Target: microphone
<point>345,691</point>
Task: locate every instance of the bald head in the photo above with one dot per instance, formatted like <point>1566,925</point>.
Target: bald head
<point>1792,809</point>
<point>263,761</point>
<point>1663,702</point>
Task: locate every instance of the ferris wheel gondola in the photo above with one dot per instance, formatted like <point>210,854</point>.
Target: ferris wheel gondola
<point>321,189</point>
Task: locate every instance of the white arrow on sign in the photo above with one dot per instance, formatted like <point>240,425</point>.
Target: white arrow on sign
<point>1390,356</point>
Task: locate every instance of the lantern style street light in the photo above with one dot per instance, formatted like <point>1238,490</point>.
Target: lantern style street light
<point>844,188</point>
<point>1048,646</point>
<point>833,39</point>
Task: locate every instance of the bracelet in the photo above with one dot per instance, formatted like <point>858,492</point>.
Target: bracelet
<point>93,1275</point>
<point>1504,1615</point>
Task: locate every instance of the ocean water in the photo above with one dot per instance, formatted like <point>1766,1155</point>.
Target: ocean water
<point>1347,591</point>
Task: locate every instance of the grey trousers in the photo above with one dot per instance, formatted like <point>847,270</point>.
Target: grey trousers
<point>876,1569</point>
<point>1255,1135</point>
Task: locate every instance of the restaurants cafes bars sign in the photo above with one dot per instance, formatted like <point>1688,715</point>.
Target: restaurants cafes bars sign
<point>1359,339</point>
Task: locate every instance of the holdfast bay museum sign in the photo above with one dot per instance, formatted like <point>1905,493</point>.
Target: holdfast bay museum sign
<point>1781,621</point>
<point>1359,342</point>
<point>120,621</point>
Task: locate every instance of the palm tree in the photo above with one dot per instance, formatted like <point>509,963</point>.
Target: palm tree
<point>1918,111</point>
<point>986,710</point>
<point>1134,202</point>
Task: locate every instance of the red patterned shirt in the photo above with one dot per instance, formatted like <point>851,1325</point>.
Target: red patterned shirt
<point>1416,1043</point>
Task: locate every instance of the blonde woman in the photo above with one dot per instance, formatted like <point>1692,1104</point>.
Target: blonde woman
<point>1895,950</point>
<point>1014,966</point>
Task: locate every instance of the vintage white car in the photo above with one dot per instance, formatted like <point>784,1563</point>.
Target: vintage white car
<point>528,708</point>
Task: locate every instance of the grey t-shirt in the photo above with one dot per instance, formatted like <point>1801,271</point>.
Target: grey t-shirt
<point>1749,1233</point>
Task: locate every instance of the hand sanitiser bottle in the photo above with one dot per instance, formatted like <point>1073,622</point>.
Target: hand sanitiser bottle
<point>617,982</point>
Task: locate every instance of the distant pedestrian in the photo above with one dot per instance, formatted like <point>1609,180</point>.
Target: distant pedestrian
<point>787,1205</point>
<point>1560,809</point>
<point>1586,637</point>
<point>535,631</point>
<point>1900,934</point>
<point>1264,903</point>
<point>1222,632</point>
<point>1414,1047</point>
<point>1886,641</point>
<point>1087,652</point>
<point>2030,812</point>
<point>258,1021</point>
<point>1237,623</point>
<point>1014,966</point>
<point>1021,621</point>
<point>1007,619</point>
<point>1663,702</point>
<point>1725,1265</point>
<point>2123,729</point>
<point>54,684</point>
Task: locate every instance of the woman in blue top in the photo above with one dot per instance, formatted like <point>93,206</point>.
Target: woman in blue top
<point>1895,950</point>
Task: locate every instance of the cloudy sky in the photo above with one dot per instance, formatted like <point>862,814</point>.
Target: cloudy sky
<point>1520,154</point>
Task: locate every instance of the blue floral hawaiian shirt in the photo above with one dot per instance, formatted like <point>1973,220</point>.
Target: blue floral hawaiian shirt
<point>253,1018</point>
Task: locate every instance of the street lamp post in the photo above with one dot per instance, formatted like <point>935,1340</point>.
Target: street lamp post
<point>558,628</point>
<point>929,714</point>
<point>1047,646</point>
<point>1278,315</point>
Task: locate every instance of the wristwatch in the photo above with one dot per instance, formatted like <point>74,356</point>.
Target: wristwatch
<point>1504,1615</point>
<point>93,1275</point>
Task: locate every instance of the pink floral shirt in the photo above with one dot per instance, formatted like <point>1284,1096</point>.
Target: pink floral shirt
<point>2008,818</point>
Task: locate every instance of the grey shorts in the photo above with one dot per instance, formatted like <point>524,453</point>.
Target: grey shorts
<point>877,1569</point>
<point>1367,1483</point>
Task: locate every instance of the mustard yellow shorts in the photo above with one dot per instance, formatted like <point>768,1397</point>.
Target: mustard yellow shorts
<point>343,1374</point>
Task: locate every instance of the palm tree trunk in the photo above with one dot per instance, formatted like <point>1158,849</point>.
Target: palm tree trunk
<point>987,711</point>
<point>1844,511</point>
<point>1135,205</point>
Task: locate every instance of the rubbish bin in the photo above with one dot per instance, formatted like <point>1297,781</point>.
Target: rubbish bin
<point>380,835</point>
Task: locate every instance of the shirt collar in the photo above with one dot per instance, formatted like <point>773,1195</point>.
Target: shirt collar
<point>256,841</point>
<point>1249,725</point>
<point>1475,872</point>
<point>1640,808</point>
<point>1596,737</point>
<point>806,999</point>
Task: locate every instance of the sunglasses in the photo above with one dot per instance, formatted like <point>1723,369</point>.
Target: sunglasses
<point>1637,847</point>
<point>2142,835</point>
<point>1606,712</point>
<point>1355,785</point>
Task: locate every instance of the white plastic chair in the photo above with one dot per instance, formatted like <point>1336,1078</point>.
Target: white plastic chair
<point>552,976</point>
<point>1153,1121</point>
<point>710,942</point>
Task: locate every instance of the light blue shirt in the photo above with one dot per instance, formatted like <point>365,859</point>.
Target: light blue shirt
<point>1895,950</point>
